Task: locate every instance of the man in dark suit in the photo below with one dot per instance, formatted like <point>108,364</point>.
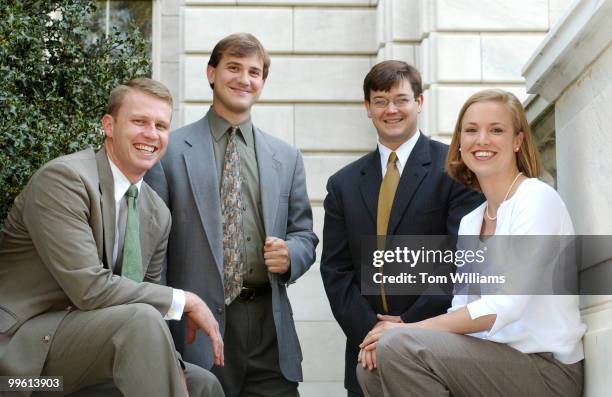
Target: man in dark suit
<point>81,254</point>
<point>416,197</point>
<point>242,227</point>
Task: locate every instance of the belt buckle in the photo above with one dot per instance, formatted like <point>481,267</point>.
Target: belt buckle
<point>248,294</point>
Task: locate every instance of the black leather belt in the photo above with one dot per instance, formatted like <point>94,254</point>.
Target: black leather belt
<point>250,293</point>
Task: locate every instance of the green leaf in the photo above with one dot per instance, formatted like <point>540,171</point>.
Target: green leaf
<point>55,84</point>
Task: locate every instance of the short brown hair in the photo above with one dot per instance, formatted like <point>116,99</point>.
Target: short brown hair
<point>527,158</point>
<point>384,75</point>
<point>240,45</point>
<point>142,84</point>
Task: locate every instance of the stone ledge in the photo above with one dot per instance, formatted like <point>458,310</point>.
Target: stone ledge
<point>571,45</point>
<point>598,347</point>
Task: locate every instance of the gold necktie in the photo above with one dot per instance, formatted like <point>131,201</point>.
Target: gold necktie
<point>385,202</point>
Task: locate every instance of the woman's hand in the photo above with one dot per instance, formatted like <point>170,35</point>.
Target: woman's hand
<point>369,343</point>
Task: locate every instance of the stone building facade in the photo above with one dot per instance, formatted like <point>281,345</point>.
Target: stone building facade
<point>570,79</point>
<point>313,99</point>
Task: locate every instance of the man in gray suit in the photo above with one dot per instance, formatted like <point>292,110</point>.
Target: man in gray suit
<point>242,229</point>
<point>81,254</point>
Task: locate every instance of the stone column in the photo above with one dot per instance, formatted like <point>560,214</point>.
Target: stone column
<point>572,70</point>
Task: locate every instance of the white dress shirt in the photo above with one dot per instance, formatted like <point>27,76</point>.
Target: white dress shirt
<point>121,186</point>
<point>402,152</point>
<point>528,323</point>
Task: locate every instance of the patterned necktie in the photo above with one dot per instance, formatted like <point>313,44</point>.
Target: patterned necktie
<point>131,266</point>
<point>385,202</point>
<point>231,209</point>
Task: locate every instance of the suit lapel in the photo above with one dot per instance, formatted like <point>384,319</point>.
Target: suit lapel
<point>202,176</point>
<point>371,178</point>
<point>107,203</point>
<point>412,176</point>
<point>269,176</point>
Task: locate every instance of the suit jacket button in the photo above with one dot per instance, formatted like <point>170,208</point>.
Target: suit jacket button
<point>46,338</point>
<point>69,308</point>
<point>219,310</point>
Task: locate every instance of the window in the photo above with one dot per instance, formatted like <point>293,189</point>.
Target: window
<point>124,15</point>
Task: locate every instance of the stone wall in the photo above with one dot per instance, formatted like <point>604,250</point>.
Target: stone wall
<point>583,120</point>
<point>584,138</point>
<point>571,72</point>
<point>321,51</point>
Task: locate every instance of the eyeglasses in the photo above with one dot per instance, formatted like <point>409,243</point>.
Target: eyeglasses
<point>382,103</point>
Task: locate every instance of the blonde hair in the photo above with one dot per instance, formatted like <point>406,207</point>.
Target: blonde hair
<point>527,158</point>
<point>142,84</point>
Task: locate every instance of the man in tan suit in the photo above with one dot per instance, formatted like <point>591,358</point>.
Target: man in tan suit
<point>67,304</point>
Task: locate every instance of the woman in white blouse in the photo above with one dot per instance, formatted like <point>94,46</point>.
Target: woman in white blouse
<point>490,345</point>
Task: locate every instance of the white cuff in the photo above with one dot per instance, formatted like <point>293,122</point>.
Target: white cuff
<point>507,308</point>
<point>178,305</point>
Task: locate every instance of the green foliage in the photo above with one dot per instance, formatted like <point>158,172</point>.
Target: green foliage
<point>56,76</point>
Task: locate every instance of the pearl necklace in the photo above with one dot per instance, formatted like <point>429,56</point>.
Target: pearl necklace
<point>489,217</point>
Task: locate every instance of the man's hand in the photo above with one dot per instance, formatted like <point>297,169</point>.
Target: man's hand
<point>385,317</point>
<point>276,255</point>
<point>184,382</point>
<point>199,316</point>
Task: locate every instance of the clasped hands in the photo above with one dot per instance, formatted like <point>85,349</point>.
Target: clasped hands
<point>276,255</point>
<point>367,348</point>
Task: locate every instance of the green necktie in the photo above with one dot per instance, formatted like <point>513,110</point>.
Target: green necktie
<point>385,203</point>
<point>132,259</point>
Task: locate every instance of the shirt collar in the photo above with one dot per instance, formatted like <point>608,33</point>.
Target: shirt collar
<point>219,127</point>
<point>121,183</point>
<point>403,152</point>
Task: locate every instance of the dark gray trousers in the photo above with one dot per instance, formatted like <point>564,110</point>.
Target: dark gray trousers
<point>251,352</point>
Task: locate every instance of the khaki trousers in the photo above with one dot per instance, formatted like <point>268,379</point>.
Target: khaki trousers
<point>417,362</point>
<point>122,350</point>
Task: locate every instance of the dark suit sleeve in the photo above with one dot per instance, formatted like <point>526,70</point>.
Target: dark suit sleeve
<point>57,211</point>
<point>461,200</point>
<point>301,240</point>
<point>352,311</point>
<point>156,179</point>
<point>426,306</point>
